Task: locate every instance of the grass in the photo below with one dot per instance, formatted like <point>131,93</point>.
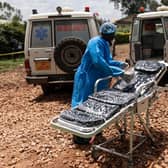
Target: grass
<point>10,64</point>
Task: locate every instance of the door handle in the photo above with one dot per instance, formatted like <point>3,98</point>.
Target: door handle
<point>42,59</point>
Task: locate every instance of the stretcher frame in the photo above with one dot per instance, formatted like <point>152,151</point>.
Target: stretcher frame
<point>132,109</point>
<point>146,101</point>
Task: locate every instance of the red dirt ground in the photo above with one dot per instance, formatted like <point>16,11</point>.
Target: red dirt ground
<point>28,140</point>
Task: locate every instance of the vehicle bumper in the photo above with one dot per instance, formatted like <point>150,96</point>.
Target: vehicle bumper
<point>49,79</point>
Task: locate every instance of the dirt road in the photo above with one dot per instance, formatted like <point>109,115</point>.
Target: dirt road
<point>28,140</point>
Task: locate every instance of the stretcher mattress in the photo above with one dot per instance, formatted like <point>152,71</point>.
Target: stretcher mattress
<point>112,96</point>
<point>139,79</point>
<point>145,72</point>
<point>99,108</point>
<point>104,107</point>
<point>148,66</point>
<point>82,118</point>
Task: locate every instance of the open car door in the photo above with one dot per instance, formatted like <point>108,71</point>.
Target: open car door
<point>165,21</point>
<point>135,42</point>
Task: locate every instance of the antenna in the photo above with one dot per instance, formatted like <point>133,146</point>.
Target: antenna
<point>34,11</point>
<point>59,9</point>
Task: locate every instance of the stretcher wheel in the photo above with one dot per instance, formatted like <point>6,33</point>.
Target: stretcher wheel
<point>130,164</point>
<point>122,138</point>
<point>95,153</point>
<point>80,140</point>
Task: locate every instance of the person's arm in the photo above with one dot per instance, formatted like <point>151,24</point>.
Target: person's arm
<point>120,64</point>
<point>116,63</point>
<point>116,71</point>
<point>97,56</point>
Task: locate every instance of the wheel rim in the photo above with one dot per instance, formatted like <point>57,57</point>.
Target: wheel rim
<point>71,56</point>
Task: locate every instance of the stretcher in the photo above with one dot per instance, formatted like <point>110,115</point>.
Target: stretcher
<point>106,107</point>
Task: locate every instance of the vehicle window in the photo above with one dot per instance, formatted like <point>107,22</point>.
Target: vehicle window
<point>41,34</point>
<point>151,27</point>
<point>71,28</point>
<point>135,30</point>
<point>159,28</point>
<point>166,26</point>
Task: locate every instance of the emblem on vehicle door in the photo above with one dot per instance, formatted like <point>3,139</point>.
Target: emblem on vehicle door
<point>41,33</point>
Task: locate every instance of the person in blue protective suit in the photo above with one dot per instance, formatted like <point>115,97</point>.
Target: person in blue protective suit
<point>97,62</point>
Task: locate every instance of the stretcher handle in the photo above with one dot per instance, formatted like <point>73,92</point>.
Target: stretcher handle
<point>99,80</point>
<point>102,79</point>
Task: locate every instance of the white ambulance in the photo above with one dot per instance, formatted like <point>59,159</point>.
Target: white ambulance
<point>54,44</point>
<point>149,38</point>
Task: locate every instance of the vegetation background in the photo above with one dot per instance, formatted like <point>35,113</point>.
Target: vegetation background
<point>12,27</point>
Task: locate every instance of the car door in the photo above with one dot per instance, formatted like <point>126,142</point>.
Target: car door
<point>71,37</point>
<point>41,50</point>
<point>135,43</point>
<point>165,23</point>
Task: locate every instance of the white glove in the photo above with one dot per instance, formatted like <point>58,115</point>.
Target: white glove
<point>128,75</point>
<point>125,65</point>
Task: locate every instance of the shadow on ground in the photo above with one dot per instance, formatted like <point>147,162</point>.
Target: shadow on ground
<point>142,157</point>
<point>62,94</point>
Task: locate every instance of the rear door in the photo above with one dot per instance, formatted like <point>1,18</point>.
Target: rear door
<point>71,37</point>
<point>135,43</point>
<point>165,21</point>
<point>41,48</point>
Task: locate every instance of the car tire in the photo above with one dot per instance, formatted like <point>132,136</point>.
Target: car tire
<point>80,140</point>
<point>68,54</point>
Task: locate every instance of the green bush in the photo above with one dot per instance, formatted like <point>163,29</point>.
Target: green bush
<point>122,37</point>
<point>124,28</point>
<point>10,33</point>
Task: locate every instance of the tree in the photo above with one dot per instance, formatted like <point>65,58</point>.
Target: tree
<point>11,32</point>
<point>7,12</point>
<point>164,2</point>
<point>129,7</point>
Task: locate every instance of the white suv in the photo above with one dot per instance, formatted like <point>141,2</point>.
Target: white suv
<point>54,44</point>
<point>149,38</point>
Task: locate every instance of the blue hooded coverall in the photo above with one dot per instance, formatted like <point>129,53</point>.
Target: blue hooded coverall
<point>97,62</point>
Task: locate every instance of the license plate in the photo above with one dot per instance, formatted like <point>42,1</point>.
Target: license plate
<point>42,65</point>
